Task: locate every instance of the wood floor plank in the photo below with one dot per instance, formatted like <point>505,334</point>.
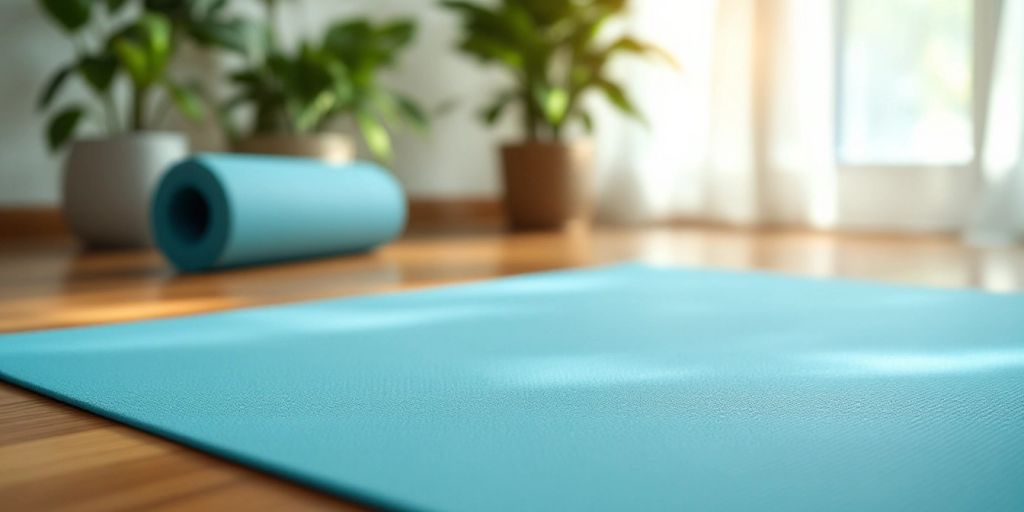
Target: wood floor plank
<point>37,418</point>
<point>141,483</point>
<point>53,457</point>
<point>249,495</point>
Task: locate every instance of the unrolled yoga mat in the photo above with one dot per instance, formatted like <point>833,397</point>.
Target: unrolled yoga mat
<point>624,388</point>
<point>225,210</point>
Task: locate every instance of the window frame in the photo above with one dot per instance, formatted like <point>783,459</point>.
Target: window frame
<point>839,45</point>
<point>923,197</point>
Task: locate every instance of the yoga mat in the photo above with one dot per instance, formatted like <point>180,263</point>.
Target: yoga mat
<point>622,388</point>
<point>224,210</point>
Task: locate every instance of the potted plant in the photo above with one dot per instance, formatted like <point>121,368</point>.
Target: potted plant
<point>556,53</point>
<point>297,100</point>
<point>108,179</point>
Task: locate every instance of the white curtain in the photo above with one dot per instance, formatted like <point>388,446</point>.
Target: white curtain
<point>744,133</point>
<point>999,211</point>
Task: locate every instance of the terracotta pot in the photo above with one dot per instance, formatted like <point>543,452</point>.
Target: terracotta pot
<point>108,183</point>
<point>547,184</point>
<point>330,147</point>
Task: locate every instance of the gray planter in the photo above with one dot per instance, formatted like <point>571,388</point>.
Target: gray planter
<point>108,184</point>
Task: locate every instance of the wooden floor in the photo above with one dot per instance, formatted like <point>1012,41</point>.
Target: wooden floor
<point>55,457</point>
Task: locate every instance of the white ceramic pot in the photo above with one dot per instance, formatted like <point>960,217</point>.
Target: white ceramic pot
<point>108,183</point>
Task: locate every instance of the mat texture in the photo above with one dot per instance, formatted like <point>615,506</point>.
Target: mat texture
<point>622,388</point>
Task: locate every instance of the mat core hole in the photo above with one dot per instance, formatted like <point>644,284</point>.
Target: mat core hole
<point>190,214</point>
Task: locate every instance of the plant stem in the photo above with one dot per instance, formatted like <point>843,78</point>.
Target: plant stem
<point>139,108</point>
<point>530,116</point>
<point>110,113</point>
<point>529,112</point>
<point>263,121</point>
<point>270,11</point>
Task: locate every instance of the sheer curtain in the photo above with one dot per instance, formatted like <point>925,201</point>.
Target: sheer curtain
<point>999,211</point>
<point>744,134</point>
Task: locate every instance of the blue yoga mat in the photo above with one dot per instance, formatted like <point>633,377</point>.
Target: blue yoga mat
<point>622,388</point>
<point>224,210</point>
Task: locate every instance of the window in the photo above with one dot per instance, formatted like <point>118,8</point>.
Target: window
<point>905,82</point>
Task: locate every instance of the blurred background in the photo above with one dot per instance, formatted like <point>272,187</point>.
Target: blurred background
<point>879,115</point>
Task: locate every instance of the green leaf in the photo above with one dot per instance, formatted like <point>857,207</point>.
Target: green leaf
<point>309,115</point>
<point>98,71</point>
<point>248,38</point>
<point>492,112</point>
<point>200,9</point>
<point>133,58</point>
<point>618,97</point>
<point>54,85</point>
<point>144,48</point>
<point>580,77</point>
<point>345,92</point>
<point>520,27</point>
<point>397,34</point>
<point>69,14</point>
<point>589,31</point>
<point>364,48</point>
<point>508,24</point>
<point>631,45</point>
<point>588,122</point>
<point>553,102</point>
<point>555,52</point>
<point>187,100</point>
<point>552,11</point>
<point>487,49</point>
<point>247,77</point>
<point>156,31</point>
<point>395,108</point>
<point>375,135</point>
<point>505,34</point>
<point>115,5</point>
<point>62,126</point>
<point>412,113</point>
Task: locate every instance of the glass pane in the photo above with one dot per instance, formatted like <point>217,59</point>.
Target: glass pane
<point>905,82</point>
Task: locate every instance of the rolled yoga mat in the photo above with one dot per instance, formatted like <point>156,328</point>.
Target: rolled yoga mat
<point>224,210</point>
<point>622,388</point>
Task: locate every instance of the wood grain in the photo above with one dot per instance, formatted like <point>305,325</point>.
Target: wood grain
<point>55,457</point>
<point>34,222</point>
<point>31,222</point>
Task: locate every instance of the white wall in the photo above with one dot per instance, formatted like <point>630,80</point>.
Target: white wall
<point>457,158</point>
<point>28,174</point>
